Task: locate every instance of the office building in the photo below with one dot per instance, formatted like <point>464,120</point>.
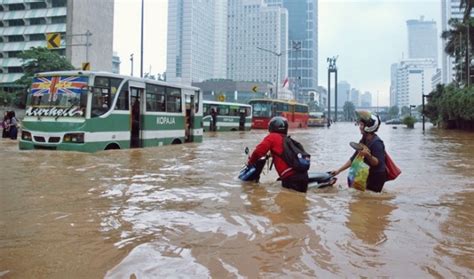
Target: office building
<point>302,45</point>
<point>414,78</point>
<point>422,39</point>
<point>366,100</point>
<point>23,24</point>
<point>197,41</point>
<point>343,93</point>
<point>257,42</point>
<point>449,9</point>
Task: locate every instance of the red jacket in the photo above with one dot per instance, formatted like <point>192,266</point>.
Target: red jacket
<point>272,142</point>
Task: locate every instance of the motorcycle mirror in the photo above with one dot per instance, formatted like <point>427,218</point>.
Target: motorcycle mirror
<point>247,150</point>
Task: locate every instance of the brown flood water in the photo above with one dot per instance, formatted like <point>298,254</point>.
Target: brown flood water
<point>179,211</point>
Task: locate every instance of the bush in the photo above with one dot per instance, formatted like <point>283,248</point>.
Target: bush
<point>409,121</point>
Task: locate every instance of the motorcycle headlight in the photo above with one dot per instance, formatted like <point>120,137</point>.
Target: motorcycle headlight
<point>26,135</point>
<point>74,138</point>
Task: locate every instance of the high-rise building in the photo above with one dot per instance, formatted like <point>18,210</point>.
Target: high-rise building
<point>302,45</point>
<point>413,80</point>
<point>343,93</point>
<point>257,42</point>
<point>355,97</point>
<point>449,9</point>
<point>23,24</point>
<point>422,39</point>
<point>393,84</point>
<point>366,100</point>
<point>197,40</point>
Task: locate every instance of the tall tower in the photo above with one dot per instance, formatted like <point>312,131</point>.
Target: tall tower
<point>302,45</point>
<point>422,39</point>
<point>257,44</point>
<point>196,40</point>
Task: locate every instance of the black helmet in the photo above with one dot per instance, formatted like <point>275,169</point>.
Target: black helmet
<point>278,124</point>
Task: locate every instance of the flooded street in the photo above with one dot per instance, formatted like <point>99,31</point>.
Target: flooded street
<point>180,211</point>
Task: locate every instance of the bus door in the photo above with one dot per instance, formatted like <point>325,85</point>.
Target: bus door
<point>242,114</point>
<point>136,117</point>
<point>189,118</point>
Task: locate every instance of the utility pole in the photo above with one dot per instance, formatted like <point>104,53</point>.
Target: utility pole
<point>141,58</point>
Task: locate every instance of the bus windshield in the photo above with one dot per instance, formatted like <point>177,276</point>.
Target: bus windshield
<point>57,96</point>
<point>262,109</point>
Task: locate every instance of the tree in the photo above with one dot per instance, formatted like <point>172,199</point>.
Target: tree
<point>40,59</point>
<point>393,112</point>
<point>349,111</point>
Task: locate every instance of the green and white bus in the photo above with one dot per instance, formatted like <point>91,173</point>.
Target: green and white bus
<point>230,116</point>
<point>91,111</point>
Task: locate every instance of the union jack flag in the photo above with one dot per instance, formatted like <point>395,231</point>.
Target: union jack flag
<point>57,85</point>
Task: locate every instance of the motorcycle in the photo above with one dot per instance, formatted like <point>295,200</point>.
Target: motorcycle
<point>253,172</point>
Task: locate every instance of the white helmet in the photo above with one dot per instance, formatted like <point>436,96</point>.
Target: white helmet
<point>371,120</point>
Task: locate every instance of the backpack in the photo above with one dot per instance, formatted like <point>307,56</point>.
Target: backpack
<point>295,155</point>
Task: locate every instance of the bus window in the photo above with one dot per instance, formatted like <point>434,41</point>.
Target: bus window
<point>100,103</point>
<point>173,100</point>
<point>122,99</point>
<point>263,109</point>
<point>155,98</point>
<point>223,110</point>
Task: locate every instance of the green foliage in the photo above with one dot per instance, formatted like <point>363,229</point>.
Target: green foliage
<point>40,59</point>
<point>349,111</point>
<point>448,103</point>
<point>409,121</point>
<point>393,112</point>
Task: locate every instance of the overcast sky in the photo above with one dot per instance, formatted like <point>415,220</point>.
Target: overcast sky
<point>367,35</point>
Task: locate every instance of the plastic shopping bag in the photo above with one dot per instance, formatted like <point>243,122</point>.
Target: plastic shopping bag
<point>358,173</point>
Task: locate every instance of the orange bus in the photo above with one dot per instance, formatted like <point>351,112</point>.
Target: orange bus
<point>264,109</point>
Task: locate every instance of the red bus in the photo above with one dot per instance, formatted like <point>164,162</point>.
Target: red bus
<point>264,109</point>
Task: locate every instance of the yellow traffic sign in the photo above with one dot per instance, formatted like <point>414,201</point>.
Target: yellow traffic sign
<point>221,98</point>
<point>255,89</point>
<point>53,40</point>
<point>86,66</point>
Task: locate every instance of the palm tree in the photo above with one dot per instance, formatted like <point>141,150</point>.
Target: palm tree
<point>467,5</point>
<point>454,47</point>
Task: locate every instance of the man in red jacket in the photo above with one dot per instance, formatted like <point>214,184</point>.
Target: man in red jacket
<point>274,142</point>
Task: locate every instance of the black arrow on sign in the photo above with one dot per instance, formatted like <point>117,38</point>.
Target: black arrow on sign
<point>52,39</point>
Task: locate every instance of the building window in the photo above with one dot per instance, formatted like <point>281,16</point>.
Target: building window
<point>16,38</point>
<point>37,21</point>
<point>37,37</point>
<point>58,19</point>
<point>15,70</point>
<point>16,22</point>
<point>13,54</point>
<point>16,7</point>
<point>38,5</point>
<point>59,3</point>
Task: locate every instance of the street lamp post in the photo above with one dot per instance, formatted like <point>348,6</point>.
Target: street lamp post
<point>296,45</point>
<point>332,68</point>
<point>423,109</point>
<point>278,55</point>
<point>141,51</point>
<point>412,106</point>
<point>131,64</point>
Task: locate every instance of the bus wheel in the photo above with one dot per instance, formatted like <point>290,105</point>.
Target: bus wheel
<point>233,129</point>
<point>112,146</point>
<point>176,141</point>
